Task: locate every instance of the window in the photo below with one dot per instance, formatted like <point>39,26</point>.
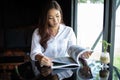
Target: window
<point>90,25</point>
<point>117,39</point>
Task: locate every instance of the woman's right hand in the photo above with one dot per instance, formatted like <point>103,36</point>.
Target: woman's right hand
<point>46,61</point>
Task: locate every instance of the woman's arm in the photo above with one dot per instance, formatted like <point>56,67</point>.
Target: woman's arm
<point>37,49</point>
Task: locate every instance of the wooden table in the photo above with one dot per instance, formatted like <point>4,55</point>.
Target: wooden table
<point>8,63</point>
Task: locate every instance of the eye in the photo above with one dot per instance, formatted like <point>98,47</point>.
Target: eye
<point>57,16</point>
<point>50,18</point>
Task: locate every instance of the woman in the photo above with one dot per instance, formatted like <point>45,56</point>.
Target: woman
<point>52,38</point>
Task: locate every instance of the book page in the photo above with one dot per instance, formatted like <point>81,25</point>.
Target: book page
<point>75,52</point>
<point>63,62</point>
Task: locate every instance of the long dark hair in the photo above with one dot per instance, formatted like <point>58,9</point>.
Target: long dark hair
<point>43,22</point>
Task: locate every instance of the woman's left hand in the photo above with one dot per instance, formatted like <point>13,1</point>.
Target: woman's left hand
<point>86,54</point>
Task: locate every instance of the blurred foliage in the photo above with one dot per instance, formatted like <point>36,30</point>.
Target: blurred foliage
<point>82,1</point>
<point>116,62</point>
<point>91,1</point>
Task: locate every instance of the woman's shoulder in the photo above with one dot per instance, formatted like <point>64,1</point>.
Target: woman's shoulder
<point>35,32</point>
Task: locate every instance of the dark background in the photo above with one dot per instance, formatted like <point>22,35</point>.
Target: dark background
<point>18,19</point>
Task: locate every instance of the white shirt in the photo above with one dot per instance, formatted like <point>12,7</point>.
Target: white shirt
<point>56,46</point>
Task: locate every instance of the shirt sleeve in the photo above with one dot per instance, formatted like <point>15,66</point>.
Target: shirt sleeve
<point>36,48</point>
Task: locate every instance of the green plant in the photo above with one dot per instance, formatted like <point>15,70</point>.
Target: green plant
<point>105,45</point>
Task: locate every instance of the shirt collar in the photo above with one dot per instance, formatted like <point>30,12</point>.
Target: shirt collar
<point>61,27</point>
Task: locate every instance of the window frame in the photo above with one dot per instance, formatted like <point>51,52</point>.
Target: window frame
<point>108,25</point>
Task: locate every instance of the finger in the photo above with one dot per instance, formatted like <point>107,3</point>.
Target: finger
<point>46,62</point>
<point>85,55</point>
<point>49,64</point>
<point>88,55</point>
<point>47,59</point>
<point>90,52</point>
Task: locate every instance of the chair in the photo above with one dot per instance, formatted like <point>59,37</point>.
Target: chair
<point>24,71</point>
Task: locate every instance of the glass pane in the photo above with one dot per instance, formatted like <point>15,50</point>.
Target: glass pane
<point>117,39</point>
<point>90,24</point>
<point>116,60</point>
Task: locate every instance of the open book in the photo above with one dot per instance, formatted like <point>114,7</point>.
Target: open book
<point>72,61</point>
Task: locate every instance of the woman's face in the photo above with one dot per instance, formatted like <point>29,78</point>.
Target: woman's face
<point>54,17</point>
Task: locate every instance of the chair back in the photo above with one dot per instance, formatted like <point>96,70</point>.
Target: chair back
<point>25,71</point>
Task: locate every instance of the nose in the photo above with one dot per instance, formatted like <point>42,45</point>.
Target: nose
<point>55,19</point>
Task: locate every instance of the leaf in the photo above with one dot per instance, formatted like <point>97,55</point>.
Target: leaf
<point>105,45</point>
